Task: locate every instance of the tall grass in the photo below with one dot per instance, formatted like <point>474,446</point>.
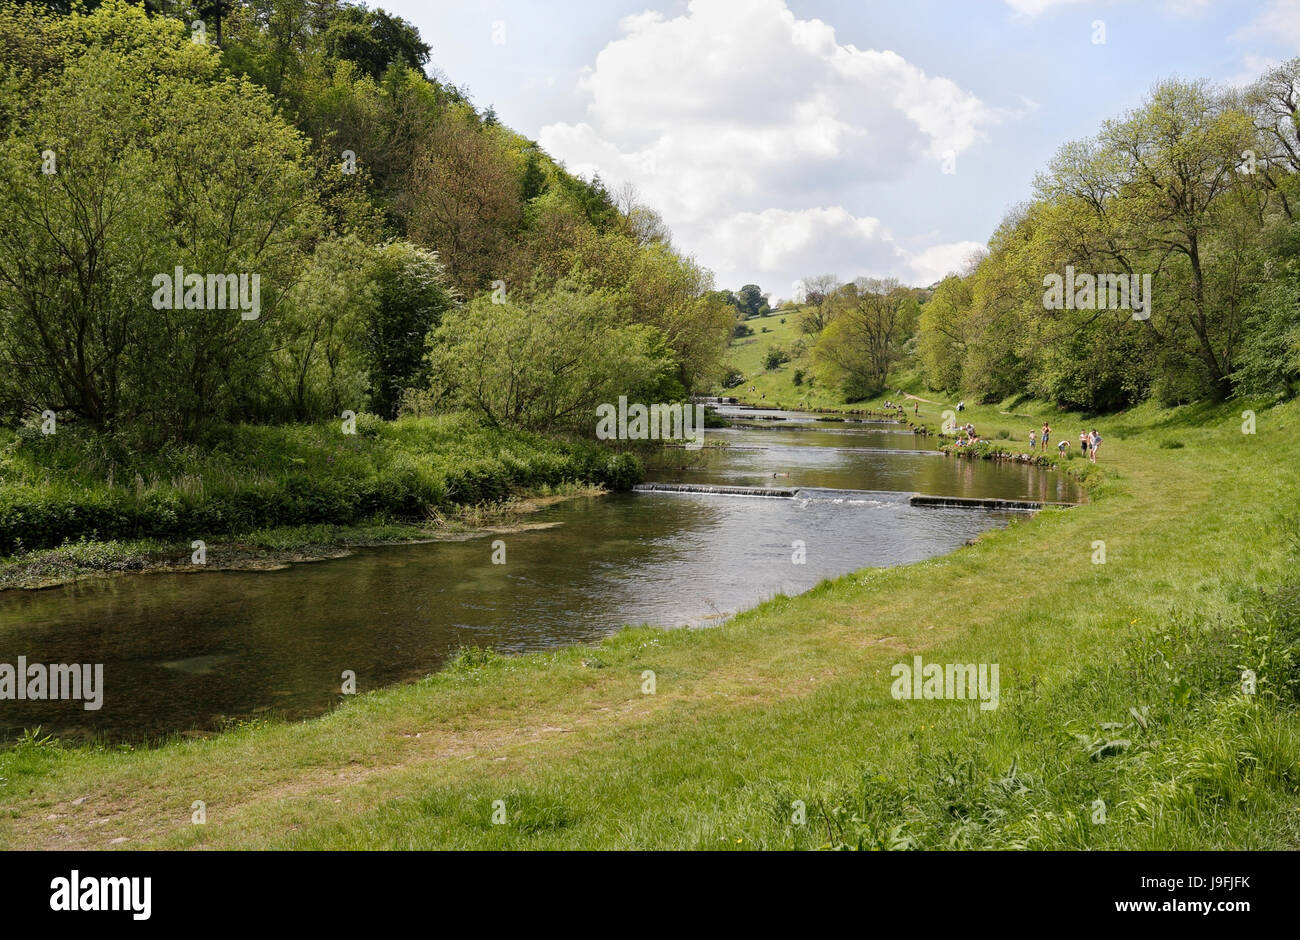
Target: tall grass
<point>76,484</point>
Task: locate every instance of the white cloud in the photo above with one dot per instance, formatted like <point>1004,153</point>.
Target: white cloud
<point>1252,67</point>
<point>1280,21</point>
<point>938,261</point>
<point>1038,7</point>
<point>751,130</point>
<point>1033,8</point>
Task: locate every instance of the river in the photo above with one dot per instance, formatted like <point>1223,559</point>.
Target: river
<point>189,652</point>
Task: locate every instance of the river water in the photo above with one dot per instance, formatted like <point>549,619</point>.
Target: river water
<point>188,652</point>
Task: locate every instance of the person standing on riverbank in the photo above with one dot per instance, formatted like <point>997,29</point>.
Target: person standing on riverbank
<point>1047,433</point>
<point>1095,442</point>
<point>1083,443</point>
<point>1033,439</point>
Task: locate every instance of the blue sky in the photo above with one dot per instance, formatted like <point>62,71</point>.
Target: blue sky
<point>787,138</point>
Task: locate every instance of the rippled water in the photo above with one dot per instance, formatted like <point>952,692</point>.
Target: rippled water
<point>187,651</point>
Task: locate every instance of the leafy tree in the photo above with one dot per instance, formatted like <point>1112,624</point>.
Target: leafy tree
<point>373,40</point>
<point>142,185</point>
<point>465,202</point>
<point>1150,196</point>
<point>942,338</point>
<point>864,340</point>
<point>410,296</point>
<point>547,364</point>
<point>819,294</point>
<point>750,298</point>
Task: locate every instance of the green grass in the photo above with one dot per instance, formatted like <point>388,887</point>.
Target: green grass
<point>791,702</point>
<point>776,387</point>
<point>72,487</point>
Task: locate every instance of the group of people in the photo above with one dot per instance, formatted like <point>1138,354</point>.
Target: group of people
<point>966,435</point>
<point>1089,441</point>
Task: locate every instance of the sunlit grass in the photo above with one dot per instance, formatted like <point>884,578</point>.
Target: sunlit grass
<point>790,702</point>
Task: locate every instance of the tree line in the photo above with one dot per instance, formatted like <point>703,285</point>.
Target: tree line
<point>1195,193</point>
<point>413,253</point>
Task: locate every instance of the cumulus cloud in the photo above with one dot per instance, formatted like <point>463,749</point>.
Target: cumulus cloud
<point>752,130</point>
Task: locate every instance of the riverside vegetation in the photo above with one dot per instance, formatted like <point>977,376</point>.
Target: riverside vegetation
<point>406,291</point>
<point>1121,682</point>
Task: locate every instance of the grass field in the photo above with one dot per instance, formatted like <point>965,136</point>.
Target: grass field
<point>1120,683</point>
<point>775,387</point>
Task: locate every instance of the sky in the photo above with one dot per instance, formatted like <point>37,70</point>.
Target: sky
<point>781,139</point>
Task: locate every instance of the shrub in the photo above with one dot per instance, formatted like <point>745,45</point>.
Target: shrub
<point>775,357</point>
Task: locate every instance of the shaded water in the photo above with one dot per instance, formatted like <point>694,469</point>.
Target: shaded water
<point>186,651</point>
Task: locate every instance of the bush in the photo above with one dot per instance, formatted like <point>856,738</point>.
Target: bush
<point>622,472</point>
<point>65,487</point>
<point>775,357</point>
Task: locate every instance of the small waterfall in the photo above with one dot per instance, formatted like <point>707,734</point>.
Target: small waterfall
<point>713,489</point>
<point>964,502</point>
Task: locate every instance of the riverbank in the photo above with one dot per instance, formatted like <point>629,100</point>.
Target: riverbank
<point>1120,683</point>
<point>267,549</point>
<point>75,504</point>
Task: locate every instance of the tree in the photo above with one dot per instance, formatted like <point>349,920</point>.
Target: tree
<point>1274,102</point>
<point>373,40</point>
<point>942,338</point>
<point>863,341</point>
<point>819,293</point>
<point>1150,196</point>
<point>750,298</point>
<point>547,364</point>
<point>141,185</point>
<point>465,202</point>
<point>410,296</point>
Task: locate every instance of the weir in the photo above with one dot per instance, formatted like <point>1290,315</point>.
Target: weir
<point>712,489</point>
<point>963,502</point>
<point>916,499</point>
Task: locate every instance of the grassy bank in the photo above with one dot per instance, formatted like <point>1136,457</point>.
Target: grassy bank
<point>1120,683</point>
<point>74,501</point>
<point>268,549</point>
